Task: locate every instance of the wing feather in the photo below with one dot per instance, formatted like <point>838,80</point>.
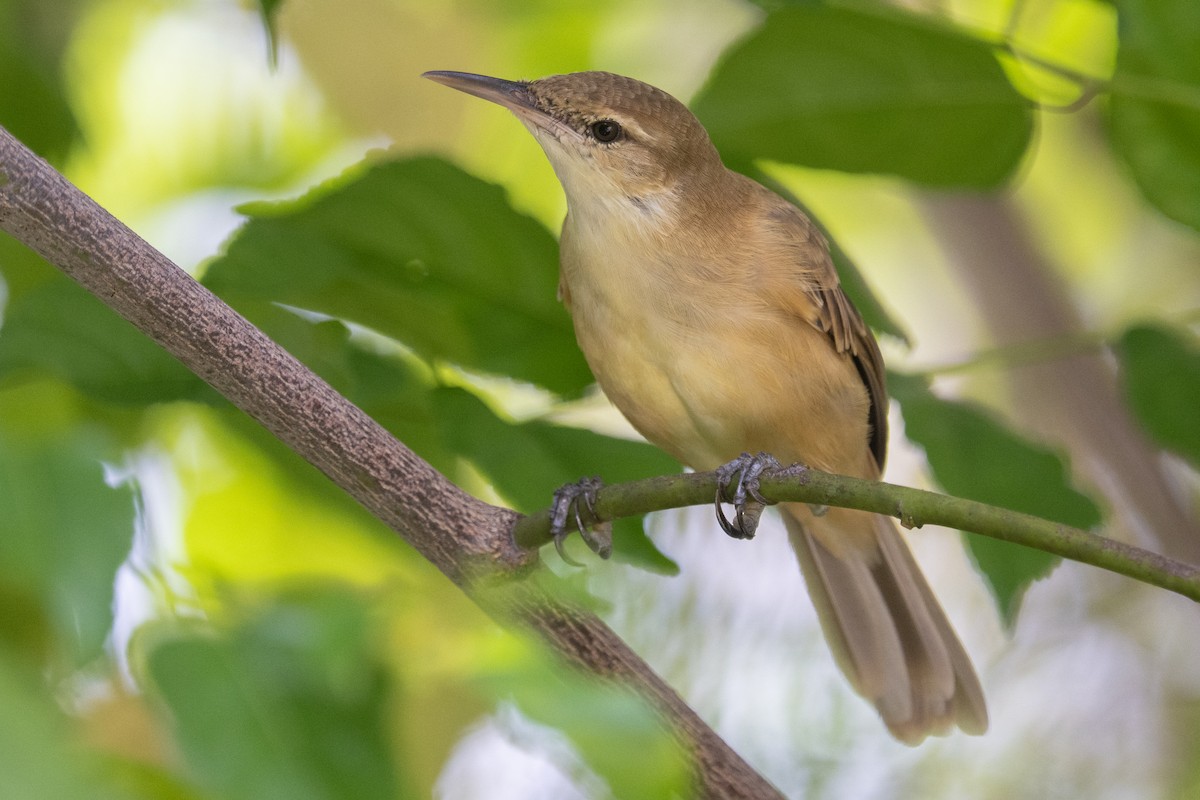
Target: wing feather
<point>832,312</point>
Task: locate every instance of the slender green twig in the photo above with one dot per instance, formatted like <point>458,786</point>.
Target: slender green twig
<point>913,507</point>
<point>1043,349</point>
<point>1024,353</point>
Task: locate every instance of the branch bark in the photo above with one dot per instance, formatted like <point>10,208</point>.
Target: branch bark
<point>465,538</point>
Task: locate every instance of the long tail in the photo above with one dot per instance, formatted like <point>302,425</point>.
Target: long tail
<point>885,627</point>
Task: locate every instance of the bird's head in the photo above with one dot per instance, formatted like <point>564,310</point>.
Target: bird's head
<point>608,137</point>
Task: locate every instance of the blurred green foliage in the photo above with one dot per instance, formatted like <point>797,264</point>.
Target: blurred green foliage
<point>33,102</point>
<point>38,758</point>
<point>974,455</point>
<point>309,655</point>
<point>1160,370</point>
<point>1155,110</point>
<point>59,329</point>
<point>424,253</point>
<point>299,698</point>
<point>65,531</point>
<point>867,91</point>
<point>301,686</point>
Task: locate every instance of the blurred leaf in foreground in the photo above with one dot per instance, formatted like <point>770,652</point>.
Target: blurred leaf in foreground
<point>290,704</point>
<point>64,531</point>
<point>619,735</point>
<point>38,759</point>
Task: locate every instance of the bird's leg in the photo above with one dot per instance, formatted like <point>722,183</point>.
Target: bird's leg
<point>748,504</point>
<point>575,503</point>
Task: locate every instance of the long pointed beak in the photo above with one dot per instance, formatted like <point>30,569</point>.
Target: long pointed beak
<point>512,95</point>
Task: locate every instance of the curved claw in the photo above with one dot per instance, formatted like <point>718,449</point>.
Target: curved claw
<point>559,538</point>
<point>576,501</point>
<point>748,502</point>
<point>727,526</point>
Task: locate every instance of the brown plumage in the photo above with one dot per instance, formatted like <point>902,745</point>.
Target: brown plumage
<point>711,314</point>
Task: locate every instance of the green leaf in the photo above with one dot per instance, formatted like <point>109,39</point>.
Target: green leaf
<point>63,532</point>
<point>38,759</point>
<point>974,456</point>
<point>619,734</point>
<point>876,92</point>
<point>528,461</point>
<point>289,705</point>
<point>33,102</point>
<point>1160,373</point>
<point>1154,114</point>
<point>57,328</point>
<point>424,253</point>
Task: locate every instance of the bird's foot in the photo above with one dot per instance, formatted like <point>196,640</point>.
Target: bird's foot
<point>575,503</point>
<point>748,503</point>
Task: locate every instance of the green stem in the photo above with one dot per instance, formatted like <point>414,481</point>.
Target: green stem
<point>1020,354</point>
<point>1041,350</point>
<point>914,508</point>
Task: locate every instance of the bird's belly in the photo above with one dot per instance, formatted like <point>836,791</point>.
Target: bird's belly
<point>649,380</point>
<point>728,384</point>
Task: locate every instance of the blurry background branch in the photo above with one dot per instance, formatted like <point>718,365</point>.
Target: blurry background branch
<point>1073,400</point>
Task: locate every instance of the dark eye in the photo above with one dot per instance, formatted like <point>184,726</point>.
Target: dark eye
<point>605,130</point>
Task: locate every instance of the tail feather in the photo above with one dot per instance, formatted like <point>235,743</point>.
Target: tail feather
<point>884,626</point>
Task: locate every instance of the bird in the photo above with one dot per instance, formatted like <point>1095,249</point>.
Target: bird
<point>711,315</point>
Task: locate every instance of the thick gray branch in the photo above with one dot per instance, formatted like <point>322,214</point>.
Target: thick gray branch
<point>461,535</point>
